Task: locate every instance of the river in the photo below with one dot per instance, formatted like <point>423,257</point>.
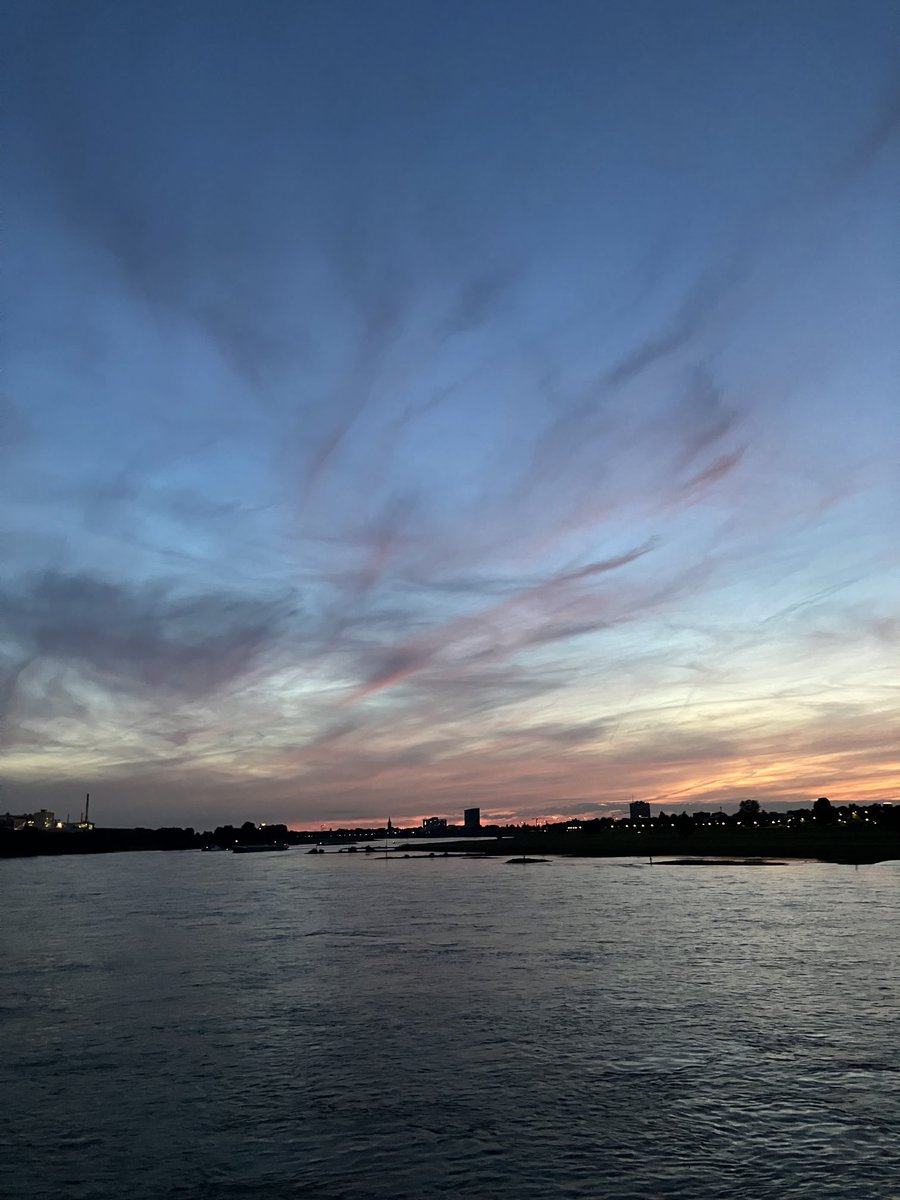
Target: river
<point>212,1026</point>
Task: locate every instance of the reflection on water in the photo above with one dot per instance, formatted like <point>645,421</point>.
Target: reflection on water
<point>203,1026</point>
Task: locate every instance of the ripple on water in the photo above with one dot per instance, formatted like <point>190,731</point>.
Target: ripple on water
<point>317,1030</point>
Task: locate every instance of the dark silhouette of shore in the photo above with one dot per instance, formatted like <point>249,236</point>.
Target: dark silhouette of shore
<point>838,846</point>
<point>28,843</point>
<point>849,833</point>
<point>846,834</point>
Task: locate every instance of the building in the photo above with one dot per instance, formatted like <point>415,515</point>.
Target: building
<point>472,820</point>
<point>435,824</point>
<point>83,824</point>
<point>42,819</point>
<point>639,810</point>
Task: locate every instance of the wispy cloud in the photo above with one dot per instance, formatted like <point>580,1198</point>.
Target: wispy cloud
<point>135,637</point>
<point>487,440</point>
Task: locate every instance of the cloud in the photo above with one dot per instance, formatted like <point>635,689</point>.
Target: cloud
<point>502,627</point>
<point>141,638</point>
<point>874,140</point>
<point>718,470</point>
<point>539,485</point>
<point>479,298</point>
<point>689,320</point>
<point>11,670</point>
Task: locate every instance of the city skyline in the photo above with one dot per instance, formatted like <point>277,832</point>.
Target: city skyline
<point>409,409</point>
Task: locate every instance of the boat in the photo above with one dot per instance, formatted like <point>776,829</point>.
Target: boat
<point>259,847</point>
<point>215,846</point>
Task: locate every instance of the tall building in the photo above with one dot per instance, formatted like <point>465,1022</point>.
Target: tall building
<point>639,810</point>
<point>472,820</point>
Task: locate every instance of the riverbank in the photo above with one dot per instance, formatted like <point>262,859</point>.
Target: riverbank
<point>828,844</point>
<point>32,843</point>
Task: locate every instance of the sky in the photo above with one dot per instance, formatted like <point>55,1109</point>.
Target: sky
<point>415,405</point>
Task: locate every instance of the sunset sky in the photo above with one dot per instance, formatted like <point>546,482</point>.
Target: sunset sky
<point>410,405</point>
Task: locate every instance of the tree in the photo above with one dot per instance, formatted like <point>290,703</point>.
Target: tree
<point>748,810</point>
<point>684,824</point>
<point>823,813</point>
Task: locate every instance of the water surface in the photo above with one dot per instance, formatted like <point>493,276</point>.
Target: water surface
<point>336,1026</point>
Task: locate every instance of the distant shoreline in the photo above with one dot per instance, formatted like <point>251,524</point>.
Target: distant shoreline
<point>849,846</point>
<point>829,844</point>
